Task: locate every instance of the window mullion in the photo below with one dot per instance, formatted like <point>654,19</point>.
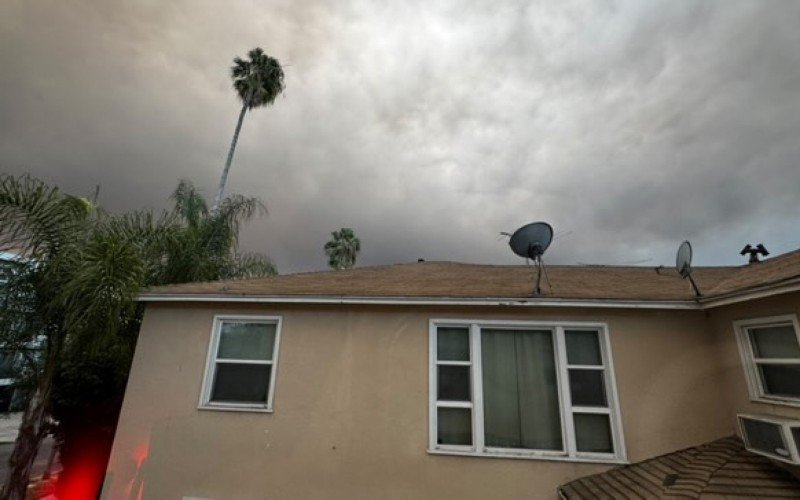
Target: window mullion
<point>453,363</point>
<point>453,404</point>
<point>567,425</point>
<point>477,387</point>
<point>600,410</point>
<point>243,361</point>
<point>777,361</point>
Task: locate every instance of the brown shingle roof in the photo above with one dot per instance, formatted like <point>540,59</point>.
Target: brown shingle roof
<point>720,469</point>
<point>455,280</point>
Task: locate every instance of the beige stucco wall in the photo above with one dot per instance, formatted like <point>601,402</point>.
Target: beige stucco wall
<point>734,381</point>
<point>351,406</point>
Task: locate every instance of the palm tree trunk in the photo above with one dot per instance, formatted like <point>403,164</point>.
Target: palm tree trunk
<point>224,179</point>
<point>31,432</point>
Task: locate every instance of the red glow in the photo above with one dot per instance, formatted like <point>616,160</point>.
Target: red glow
<point>82,477</point>
<point>135,487</point>
<point>82,483</point>
<point>141,454</point>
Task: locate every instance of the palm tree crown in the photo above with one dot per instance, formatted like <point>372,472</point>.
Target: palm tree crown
<point>259,80</point>
<point>342,249</point>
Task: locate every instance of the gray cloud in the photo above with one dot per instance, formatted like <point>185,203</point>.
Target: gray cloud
<point>429,127</point>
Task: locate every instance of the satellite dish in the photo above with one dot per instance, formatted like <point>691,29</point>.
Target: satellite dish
<point>683,264</point>
<point>531,240</point>
<point>683,260</point>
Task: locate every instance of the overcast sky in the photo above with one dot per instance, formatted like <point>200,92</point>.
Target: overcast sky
<point>427,126</point>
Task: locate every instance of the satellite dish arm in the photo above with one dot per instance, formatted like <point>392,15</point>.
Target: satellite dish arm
<point>694,285</point>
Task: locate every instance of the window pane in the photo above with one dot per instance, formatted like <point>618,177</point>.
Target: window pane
<point>593,433</point>
<point>454,426</point>
<point>453,344</point>
<point>241,383</point>
<point>454,383</point>
<point>764,436</point>
<point>587,388</point>
<point>520,395</point>
<point>583,347</point>
<point>246,341</point>
<point>774,342</point>
<point>780,380</point>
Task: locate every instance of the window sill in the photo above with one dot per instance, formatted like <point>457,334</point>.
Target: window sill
<point>247,409</point>
<point>794,403</point>
<point>529,456</point>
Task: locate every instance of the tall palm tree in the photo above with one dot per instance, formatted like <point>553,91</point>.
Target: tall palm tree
<point>257,81</point>
<point>342,249</point>
<point>74,291</point>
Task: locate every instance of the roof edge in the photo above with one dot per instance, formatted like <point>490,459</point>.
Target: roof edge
<point>753,293</point>
<point>438,301</point>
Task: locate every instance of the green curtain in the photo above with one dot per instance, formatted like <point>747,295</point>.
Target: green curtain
<point>520,395</point>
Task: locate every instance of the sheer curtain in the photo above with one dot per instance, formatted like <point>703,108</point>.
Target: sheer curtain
<point>520,395</point>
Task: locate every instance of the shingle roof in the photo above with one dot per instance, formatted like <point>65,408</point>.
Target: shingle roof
<point>456,280</point>
<point>720,469</point>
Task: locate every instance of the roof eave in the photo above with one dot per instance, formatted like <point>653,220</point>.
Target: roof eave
<point>427,301</point>
<point>753,293</point>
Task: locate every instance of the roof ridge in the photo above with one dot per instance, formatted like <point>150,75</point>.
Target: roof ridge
<point>461,279</point>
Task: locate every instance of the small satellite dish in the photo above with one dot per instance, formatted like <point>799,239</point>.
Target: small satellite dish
<point>683,260</point>
<point>531,240</point>
<point>683,264</point>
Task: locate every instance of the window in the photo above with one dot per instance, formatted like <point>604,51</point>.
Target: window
<point>527,390</point>
<point>770,350</point>
<point>774,437</point>
<point>240,373</point>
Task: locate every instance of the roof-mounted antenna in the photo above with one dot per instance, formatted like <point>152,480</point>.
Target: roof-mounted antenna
<point>754,252</point>
<point>530,242</point>
<point>683,264</point>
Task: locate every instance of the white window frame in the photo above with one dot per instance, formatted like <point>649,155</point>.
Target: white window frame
<point>211,364</point>
<point>784,424</point>
<point>478,448</point>
<point>750,362</point>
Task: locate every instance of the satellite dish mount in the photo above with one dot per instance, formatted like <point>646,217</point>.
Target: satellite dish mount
<point>683,264</point>
<point>530,242</point>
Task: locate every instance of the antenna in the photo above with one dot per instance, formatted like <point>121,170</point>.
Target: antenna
<point>683,264</point>
<point>530,242</point>
<point>754,252</point>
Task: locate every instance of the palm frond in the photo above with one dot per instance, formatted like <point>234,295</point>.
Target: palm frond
<point>222,231</point>
<point>249,265</point>
<point>37,219</point>
<point>106,275</point>
<point>189,203</point>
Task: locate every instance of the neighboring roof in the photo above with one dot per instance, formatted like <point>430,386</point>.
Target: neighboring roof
<point>720,469</point>
<point>513,283</point>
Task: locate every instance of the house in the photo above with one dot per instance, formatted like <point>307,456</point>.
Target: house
<point>448,380</point>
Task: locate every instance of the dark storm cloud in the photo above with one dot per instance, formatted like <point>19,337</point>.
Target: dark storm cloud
<point>429,127</point>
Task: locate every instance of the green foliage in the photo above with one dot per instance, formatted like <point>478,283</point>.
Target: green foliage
<point>83,267</point>
<point>205,248</point>
<point>342,249</point>
<point>72,292</point>
<point>258,80</point>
